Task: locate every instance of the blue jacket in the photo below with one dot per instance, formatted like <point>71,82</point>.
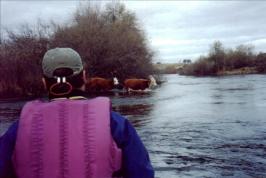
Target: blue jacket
<point>135,163</point>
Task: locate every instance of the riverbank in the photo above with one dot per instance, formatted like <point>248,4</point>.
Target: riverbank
<point>231,61</point>
<point>15,92</point>
<point>240,71</point>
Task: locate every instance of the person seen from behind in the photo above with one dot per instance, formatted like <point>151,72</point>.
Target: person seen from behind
<point>71,136</point>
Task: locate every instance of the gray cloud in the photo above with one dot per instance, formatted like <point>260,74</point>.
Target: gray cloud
<point>15,13</point>
<point>184,30</point>
<point>175,29</point>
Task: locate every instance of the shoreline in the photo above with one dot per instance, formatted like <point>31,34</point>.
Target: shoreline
<point>221,73</point>
<point>241,71</point>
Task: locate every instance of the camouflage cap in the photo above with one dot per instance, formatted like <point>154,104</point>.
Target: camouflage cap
<point>61,58</point>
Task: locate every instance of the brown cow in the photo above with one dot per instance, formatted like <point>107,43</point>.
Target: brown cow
<point>99,84</point>
<point>136,84</point>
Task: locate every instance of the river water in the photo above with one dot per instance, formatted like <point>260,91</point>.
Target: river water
<point>194,127</point>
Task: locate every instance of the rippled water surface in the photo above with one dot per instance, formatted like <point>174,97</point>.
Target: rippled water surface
<point>194,127</point>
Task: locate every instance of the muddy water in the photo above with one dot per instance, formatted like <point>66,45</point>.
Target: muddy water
<point>194,127</point>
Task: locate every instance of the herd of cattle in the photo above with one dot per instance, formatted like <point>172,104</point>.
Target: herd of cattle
<point>133,84</point>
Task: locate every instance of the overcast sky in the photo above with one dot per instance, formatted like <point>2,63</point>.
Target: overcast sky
<point>175,29</point>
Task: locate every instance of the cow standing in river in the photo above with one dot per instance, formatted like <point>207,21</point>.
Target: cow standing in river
<point>101,84</point>
<point>139,84</point>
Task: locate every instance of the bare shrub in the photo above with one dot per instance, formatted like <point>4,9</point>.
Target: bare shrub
<point>110,41</point>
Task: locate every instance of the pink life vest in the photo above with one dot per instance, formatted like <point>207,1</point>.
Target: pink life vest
<point>66,139</point>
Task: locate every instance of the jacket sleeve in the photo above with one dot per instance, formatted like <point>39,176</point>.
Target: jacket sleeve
<point>135,158</point>
<point>7,145</point>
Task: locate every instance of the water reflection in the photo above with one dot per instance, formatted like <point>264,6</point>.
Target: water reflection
<point>136,110</point>
<point>135,113</point>
<point>9,112</point>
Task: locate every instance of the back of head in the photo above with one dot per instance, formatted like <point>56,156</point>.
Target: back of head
<point>62,71</point>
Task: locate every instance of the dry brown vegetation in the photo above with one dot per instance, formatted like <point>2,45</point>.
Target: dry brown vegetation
<point>221,61</point>
<point>110,41</point>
